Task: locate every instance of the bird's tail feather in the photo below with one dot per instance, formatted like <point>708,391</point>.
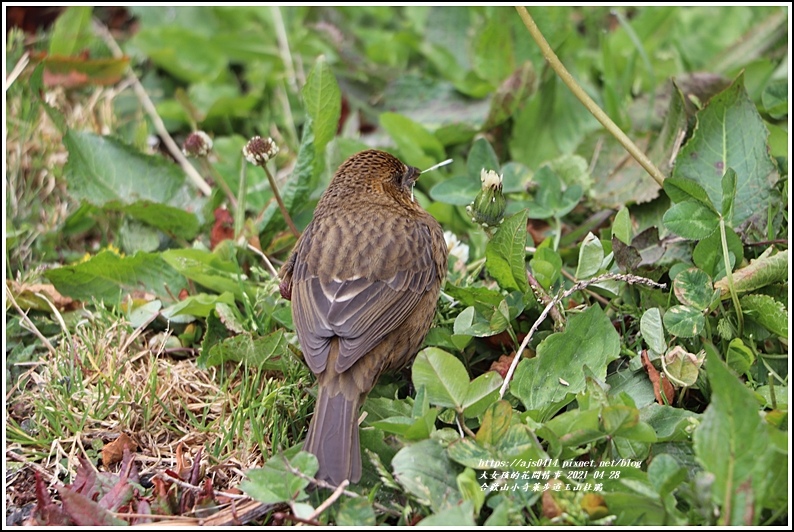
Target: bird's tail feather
<point>333,437</point>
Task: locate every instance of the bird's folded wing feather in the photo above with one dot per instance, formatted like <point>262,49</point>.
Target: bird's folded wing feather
<point>360,311</point>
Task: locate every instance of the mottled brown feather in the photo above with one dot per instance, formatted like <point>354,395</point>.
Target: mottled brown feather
<point>364,279</point>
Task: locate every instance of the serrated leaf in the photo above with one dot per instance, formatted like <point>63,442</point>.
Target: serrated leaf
<point>102,169</point>
<point>323,103</point>
<point>170,220</point>
<point>425,471</point>
<point>275,482</point>
<point>691,219</point>
<point>505,253</point>
<point>652,330</point>
<point>684,321</point>
<point>209,270</point>
<point>767,311</point>
<point>730,134</point>
<point>107,277</point>
<point>589,340</point>
<point>443,376</point>
<point>591,254</point>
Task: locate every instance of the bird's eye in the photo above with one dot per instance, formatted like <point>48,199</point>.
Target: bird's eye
<point>409,176</point>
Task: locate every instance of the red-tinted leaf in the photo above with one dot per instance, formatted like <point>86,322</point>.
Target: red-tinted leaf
<point>48,513</point>
<point>80,70</point>
<point>660,384</point>
<point>84,511</point>
<point>86,482</point>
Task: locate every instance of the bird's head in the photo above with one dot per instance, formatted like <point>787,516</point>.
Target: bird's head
<point>377,171</point>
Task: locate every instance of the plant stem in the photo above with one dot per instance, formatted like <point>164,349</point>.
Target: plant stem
<point>582,96</point>
<point>280,202</point>
<point>729,277</point>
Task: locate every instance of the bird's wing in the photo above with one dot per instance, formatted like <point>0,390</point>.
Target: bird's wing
<point>359,310</point>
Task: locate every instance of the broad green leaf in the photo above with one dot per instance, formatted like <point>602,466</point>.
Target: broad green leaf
<point>765,270</point>
<point>730,439</point>
<point>684,321</point>
<point>209,270</point>
<point>170,220</point>
<point>591,254</point>
<point>186,54</point>
<point>505,253</point>
<point>323,103</point>
<point>492,51</point>
<point>254,352</point>
<point>621,227</point>
<point>102,169</point>
<point>443,376</point>
<point>680,189</point>
<point>666,474</point>
<point>469,453</point>
<point>572,170</point>
<point>470,489</point>
<point>546,265</point>
<point>495,423</point>
<point>417,145</point>
<point>459,190</point>
<point>458,515</point>
<point>71,32</point>
<point>652,330</point>
<point>767,311</point>
<point>481,157</point>
<point>681,367</point>
<point>669,423</point>
<point>574,427</point>
<point>589,340</point>
<point>108,277</point>
<point>739,357</point>
<point>274,482</point>
<point>691,219</point>
<point>427,473</point>
<point>707,254</point>
<point>199,305</point>
<point>355,512</point>
<point>730,134</point>
<point>693,287</point>
<point>470,322</point>
<point>617,418</point>
<point>775,98</point>
<point>482,392</point>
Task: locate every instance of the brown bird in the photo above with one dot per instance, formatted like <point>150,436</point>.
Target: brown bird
<point>364,280</point>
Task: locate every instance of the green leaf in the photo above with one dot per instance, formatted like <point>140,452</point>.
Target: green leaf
<point>739,357</point>
<point>459,190</point>
<point>71,31</point>
<point>443,376</point>
<point>107,277</point>
<point>182,52</point>
<point>621,227</point>
<point>693,287</point>
<point>765,270</point>
<point>591,255</point>
<point>589,340</point>
<point>200,305</point>
<point>323,103</point>
<point>546,265</point>
<point>470,489</point>
<point>505,253</point>
<point>681,367</point>
<point>691,219</point>
<point>775,98</point>
<point>707,254</point>
<point>767,311</point>
<point>652,330</point>
<point>730,134</point>
<point>417,145</point>
<point>209,270</point>
<point>355,512</point>
<point>669,423</point>
<point>102,169</point>
<point>458,515</point>
<point>728,194</point>
<point>275,482</point>
<point>470,322</point>
<point>684,321</point>
<point>665,473</point>
<point>495,423</point>
<point>170,220</point>
<point>244,348</point>
<point>426,472</point>
<point>729,441</point>
<point>481,157</point>
<point>680,189</point>
<point>482,392</point>
<point>492,57</point>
